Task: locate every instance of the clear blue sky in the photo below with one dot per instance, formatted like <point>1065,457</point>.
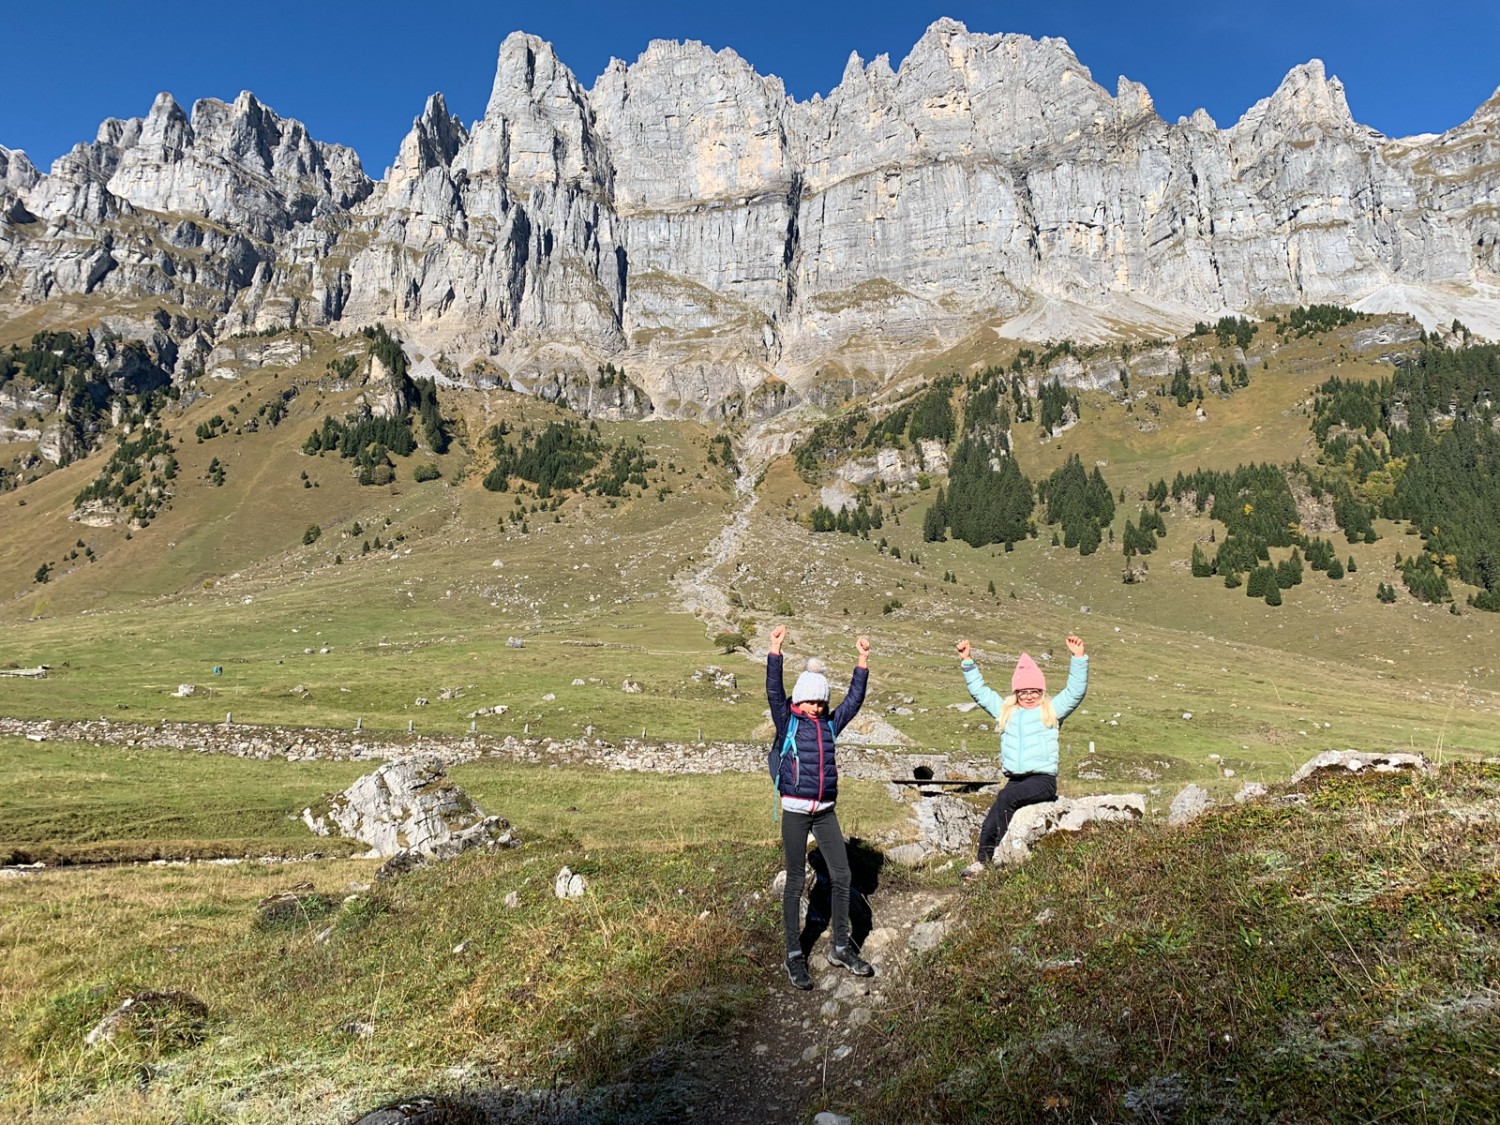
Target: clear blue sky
<point>357,73</point>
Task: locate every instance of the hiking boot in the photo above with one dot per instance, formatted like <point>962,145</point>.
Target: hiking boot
<point>972,872</point>
<point>796,971</point>
<point>845,957</point>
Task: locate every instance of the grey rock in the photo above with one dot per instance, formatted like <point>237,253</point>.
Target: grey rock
<point>1249,792</point>
<point>948,824</point>
<point>568,884</point>
<point>1066,814</point>
<point>908,855</point>
<point>926,936</point>
<point>1355,761</point>
<point>174,1018</point>
<point>410,807</point>
<point>1191,802</point>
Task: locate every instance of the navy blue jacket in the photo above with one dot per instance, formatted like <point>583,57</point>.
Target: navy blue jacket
<point>811,774</point>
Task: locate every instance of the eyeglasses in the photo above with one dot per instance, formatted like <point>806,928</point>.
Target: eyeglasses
<point>1028,691</point>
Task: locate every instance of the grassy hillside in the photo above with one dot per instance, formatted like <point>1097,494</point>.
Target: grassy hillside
<point>598,588</point>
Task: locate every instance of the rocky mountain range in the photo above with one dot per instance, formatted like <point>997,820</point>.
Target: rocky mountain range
<point>686,221</point>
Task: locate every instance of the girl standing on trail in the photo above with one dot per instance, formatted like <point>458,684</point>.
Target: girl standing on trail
<point>1028,723</point>
<point>807,783</point>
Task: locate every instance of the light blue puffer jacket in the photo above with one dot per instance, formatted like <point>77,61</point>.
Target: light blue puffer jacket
<point>1026,746</point>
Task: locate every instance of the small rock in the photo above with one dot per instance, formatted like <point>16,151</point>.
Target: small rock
<point>827,1117</point>
<point>829,1010</point>
<point>512,900</point>
<point>569,885</point>
<point>859,1017</point>
<point>925,936</point>
<point>908,855</point>
<point>1249,791</point>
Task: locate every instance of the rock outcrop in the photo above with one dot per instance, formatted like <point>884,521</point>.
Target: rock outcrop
<point>688,222</point>
<point>1357,761</point>
<point>410,813</point>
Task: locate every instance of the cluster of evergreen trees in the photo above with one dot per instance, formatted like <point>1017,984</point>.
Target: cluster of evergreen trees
<point>138,476</point>
<point>1141,536</point>
<point>369,441</point>
<point>1055,403</point>
<point>1309,320</point>
<point>1236,375</point>
<point>565,457</point>
<point>1230,330</point>
<point>865,518</point>
<point>1080,502</point>
<point>628,464</point>
<point>985,502</point>
<point>555,460</point>
<point>1421,447</point>
<point>63,364</point>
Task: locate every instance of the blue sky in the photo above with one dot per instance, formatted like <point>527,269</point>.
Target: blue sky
<point>357,73</point>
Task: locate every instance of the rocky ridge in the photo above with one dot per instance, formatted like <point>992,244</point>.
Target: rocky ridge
<point>689,222</point>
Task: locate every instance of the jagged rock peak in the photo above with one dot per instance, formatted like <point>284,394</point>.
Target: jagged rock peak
<point>434,140</point>
<point>17,173</point>
<point>537,128</point>
<point>1307,99</point>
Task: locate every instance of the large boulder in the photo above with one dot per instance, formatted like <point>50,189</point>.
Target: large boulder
<point>1065,814</point>
<point>410,814</point>
<point>1356,761</point>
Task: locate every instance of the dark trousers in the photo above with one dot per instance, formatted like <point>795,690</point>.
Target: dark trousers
<point>1021,790</point>
<point>825,829</point>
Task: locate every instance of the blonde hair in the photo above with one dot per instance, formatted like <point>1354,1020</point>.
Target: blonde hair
<point>1009,706</point>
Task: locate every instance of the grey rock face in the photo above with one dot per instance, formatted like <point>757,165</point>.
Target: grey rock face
<point>737,252</point>
<point>947,823</point>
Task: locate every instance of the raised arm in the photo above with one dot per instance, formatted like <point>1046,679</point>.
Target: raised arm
<point>985,696</point>
<point>1078,680</point>
<point>775,688</point>
<point>849,706</point>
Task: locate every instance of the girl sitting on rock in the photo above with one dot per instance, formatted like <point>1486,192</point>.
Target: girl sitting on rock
<point>1028,722</point>
<point>807,784</point>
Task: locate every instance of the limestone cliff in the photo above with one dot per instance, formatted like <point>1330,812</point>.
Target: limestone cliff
<point>688,222</point>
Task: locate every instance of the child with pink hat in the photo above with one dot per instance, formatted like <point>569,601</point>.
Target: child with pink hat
<point>1028,722</point>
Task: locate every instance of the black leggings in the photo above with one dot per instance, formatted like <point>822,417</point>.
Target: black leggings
<point>1021,790</point>
<point>825,829</point>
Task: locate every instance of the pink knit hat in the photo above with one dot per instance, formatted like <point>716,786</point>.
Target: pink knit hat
<point>1027,675</point>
